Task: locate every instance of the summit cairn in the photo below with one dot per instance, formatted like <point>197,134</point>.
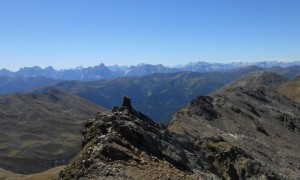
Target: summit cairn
<point>126,102</point>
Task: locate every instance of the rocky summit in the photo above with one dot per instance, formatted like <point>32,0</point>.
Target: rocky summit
<point>125,144</point>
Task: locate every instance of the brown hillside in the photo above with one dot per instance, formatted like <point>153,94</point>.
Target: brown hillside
<point>40,131</point>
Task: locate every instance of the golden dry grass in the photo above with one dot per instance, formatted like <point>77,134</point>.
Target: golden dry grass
<point>291,90</point>
<point>46,175</point>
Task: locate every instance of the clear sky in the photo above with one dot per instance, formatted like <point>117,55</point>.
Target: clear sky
<point>70,33</point>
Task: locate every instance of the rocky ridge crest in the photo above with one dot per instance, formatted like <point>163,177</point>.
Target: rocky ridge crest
<point>125,144</point>
<point>255,118</point>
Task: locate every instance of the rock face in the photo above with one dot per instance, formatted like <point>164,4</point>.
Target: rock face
<point>251,118</point>
<point>125,144</point>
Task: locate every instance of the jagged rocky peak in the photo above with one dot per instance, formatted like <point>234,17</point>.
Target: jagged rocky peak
<point>124,143</point>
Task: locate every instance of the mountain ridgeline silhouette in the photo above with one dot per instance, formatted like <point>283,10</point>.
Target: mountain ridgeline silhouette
<point>105,72</point>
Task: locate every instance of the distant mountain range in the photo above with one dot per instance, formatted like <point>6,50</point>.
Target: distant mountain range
<point>157,95</point>
<point>104,72</point>
<point>10,84</point>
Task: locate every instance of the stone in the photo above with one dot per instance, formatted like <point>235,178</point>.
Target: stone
<point>126,102</point>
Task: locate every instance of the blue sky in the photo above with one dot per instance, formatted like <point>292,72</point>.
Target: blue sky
<point>70,33</point>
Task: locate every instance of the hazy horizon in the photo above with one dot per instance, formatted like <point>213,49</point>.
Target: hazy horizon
<point>67,34</point>
<point>174,66</point>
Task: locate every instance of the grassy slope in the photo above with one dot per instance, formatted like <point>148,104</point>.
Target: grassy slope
<point>291,89</point>
<point>39,131</point>
<point>46,175</point>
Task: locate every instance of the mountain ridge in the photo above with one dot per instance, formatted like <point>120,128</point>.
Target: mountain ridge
<point>103,72</point>
<point>259,120</point>
<point>157,95</point>
<point>125,144</point>
<point>10,84</point>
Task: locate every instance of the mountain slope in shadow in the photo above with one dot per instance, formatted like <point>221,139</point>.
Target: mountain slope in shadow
<point>157,95</point>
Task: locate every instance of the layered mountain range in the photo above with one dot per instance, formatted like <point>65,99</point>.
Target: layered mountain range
<point>10,84</point>
<point>104,72</point>
<point>157,95</point>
